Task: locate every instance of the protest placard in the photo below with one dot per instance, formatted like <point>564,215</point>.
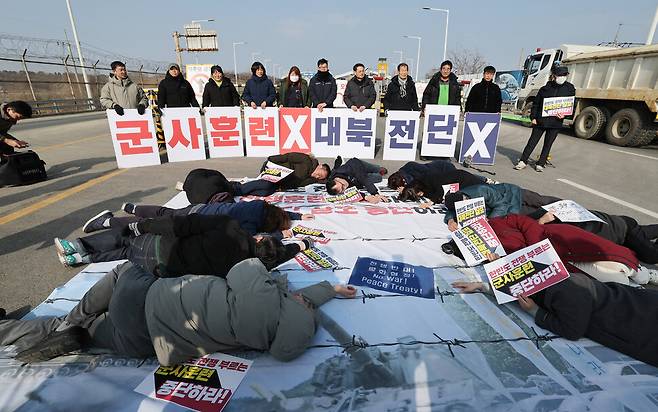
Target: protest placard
<point>319,235</point>
<point>224,131</point>
<point>480,138</point>
<point>314,259</point>
<point>394,277</point>
<point>274,173</point>
<point>477,239</point>
<point>558,105</point>
<point>525,272</point>
<point>133,138</point>
<point>183,134</point>
<point>348,196</point>
<point>450,188</point>
<point>261,131</point>
<point>440,130</point>
<point>570,211</point>
<point>469,210</point>
<point>400,138</point>
<point>203,384</point>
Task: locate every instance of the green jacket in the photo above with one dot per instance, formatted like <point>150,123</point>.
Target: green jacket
<point>192,315</point>
<point>283,93</point>
<point>125,93</point>
<point>302,164</point>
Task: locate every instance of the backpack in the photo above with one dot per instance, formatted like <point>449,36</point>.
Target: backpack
<point>21,168</point>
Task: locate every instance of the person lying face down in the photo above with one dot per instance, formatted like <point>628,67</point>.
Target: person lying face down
<point>411,171</point>
<point>357,173</point>
<point>135,313</point>
<point>431,185</point>
<point>620,317</point>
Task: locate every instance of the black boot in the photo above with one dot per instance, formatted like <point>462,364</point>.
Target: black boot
<point>56,344</point>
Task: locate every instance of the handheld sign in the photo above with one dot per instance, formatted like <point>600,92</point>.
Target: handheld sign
<point>570,211</point>
<point>314,259</point>
<point>477,239</point>
<point>350,195</point>
<point>558,105</point>
<point>469,210</point>
<point>525,272</point>
<point>274,173</point>
<point>318,235</point>
<point>450,188</point>
<point>394,277</point>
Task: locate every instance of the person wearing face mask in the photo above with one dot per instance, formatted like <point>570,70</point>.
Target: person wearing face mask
<point>293,90</point>
<point>401,91</point>
<point>360,91</point>
<point>175,91</point>
<point>485,96</point>
<point>557,86</point>
<point>443,87</point>
<point>322,87</point>
<point>259,90</point>
<point>220,91</point>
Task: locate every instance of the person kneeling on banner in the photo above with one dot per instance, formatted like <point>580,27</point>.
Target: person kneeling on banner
<point>170,246</point>
<point>356,172</point>
<point>256,216</point>
<point>134,313</point>
<point>430,186</point>
<point>618,316</point>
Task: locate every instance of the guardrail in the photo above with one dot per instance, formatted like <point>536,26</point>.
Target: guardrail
<point>59,106</point>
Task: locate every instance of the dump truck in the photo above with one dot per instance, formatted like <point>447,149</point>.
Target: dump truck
<point>616,90</point>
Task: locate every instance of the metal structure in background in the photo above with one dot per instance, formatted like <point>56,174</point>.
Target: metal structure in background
<point>77,44</point>
<point>445,37</point>
<point>418,57</point>
<point>196,39</point>
<point>235,61</point>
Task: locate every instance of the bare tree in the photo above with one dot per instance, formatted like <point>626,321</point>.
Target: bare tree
<point>464,61</point>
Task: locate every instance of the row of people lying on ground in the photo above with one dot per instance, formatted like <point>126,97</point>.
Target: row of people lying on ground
<point>180,243</point>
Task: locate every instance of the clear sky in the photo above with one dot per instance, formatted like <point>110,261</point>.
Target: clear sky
<point>300,32</point>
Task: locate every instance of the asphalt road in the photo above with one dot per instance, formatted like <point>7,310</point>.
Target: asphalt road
<point>83,180</point>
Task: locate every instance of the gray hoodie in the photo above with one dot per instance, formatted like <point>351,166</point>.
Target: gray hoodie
<point>192,316</point>
<point>124,92</point>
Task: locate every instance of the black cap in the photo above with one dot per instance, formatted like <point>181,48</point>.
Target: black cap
<point>560,70</point>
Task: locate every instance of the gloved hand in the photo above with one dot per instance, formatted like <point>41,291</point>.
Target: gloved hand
<point>201,112</point>
<point>141,108</point>
<point>118,109</point>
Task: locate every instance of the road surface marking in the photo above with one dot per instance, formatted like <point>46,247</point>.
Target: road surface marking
<point>634,154</point>
<point>55,146</point>
<point>610,198</point>
<point>58,196</point>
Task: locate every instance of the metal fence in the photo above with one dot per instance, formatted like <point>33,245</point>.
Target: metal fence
<point>54,87</point>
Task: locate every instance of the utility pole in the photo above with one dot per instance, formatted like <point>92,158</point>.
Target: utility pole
<point>90,95</point>
<point>652,30</point>
<point>179,57</point>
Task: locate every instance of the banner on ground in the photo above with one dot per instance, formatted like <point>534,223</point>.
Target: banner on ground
<point>183,134</point>
<point>224,130</point>
<point>348,196</point>
<point>525,272</point>
<point>480,138</point>
<point>470,210</point>
<point>274,173</point>
<point>558,105</point>
<point>570,211</point>
<point>400,139</point>
<point>477,239</point>
<point>133,138</point>
<point>440,130</point>
<point>203,384</point>
<point>395,277</point>
<point>314,259</point>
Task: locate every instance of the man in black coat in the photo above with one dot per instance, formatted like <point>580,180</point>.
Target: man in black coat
<point>360,91</point>
<point>220,91</point>
<point>557,86</point>
<point>356,172</point>
<point>322,87</point>
<point>401,91</point>
<point>412,171</point>
<point>485,96</point>
<point>175,91</point>
<point>443,87</point>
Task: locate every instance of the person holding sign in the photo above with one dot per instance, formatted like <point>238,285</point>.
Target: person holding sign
<point>557,86</point>
<point>618,316</point>
<point>293,90</point>
<point>356,172</point>
<point>401,91</point>
<point>136,314</point>
<point>322,88</point>
<point>175,91</point>
<point>121,93</point>
<point>259,90</point>
<point>220,91</point>
<point>485,97</point>
<point>360,91</point>
<point>443,87</point>
<point>307,169</point>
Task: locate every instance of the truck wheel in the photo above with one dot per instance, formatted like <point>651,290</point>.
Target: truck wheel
<point>626,128</point>
<point>591,122</point>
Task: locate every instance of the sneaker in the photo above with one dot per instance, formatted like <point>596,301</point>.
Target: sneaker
<point>70,261</point>
<point>520,165</point>
<point>65,247</point>
<point>128,208</point>
<point>96,223</point>
<point>383,171</point>
<point>539,168</point>
<point>54,345</point>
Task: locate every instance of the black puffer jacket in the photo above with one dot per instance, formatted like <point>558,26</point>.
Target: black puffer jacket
<point>393,100</point>
<point>484,97</point>
<point>176,92</point>
<point>431,94</point>
<point>218,96</point>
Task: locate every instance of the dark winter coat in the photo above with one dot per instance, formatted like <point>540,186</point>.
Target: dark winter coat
<point>433,182</point>
<point>393,100</point>
<point>618,316</point>
<point>250,215</point>
<point>431,94</point>
<point>360,93</point>
<point>355,173</point>
<point>201,184</point>
<point>500,200</point>
<point>414,170</point>
<point>284,91</point>
<point>302,164</point>
<point>220,96</point>
<point>176,92</point>
<point>571,243</point>
<point>259,90</point>
<point>322,89</point>
<point>484,97</point>
<point>551,89</point>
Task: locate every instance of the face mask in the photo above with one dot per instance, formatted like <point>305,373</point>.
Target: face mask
<point>294,78</point>
<point>560,79</point>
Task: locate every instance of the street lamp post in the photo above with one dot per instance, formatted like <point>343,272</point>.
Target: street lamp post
<point>418,56</point>
<point>253,56</point>
<point>235,61</point>
<point>90,96</point>
<point>400,52</point>
<point>445,37</point>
